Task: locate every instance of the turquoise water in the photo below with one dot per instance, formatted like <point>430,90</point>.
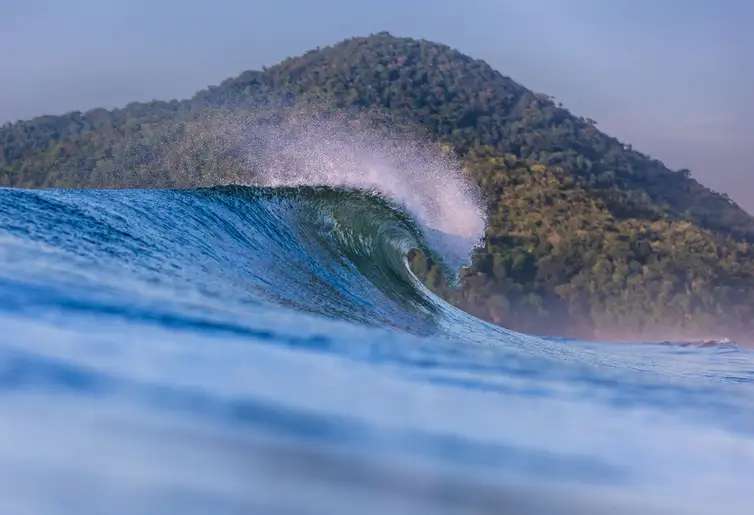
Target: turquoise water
<point>266,350</point>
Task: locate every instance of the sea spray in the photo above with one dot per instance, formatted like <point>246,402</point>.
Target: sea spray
<point>307,148</point>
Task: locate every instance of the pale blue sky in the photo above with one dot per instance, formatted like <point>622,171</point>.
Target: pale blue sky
<point>674,78</point>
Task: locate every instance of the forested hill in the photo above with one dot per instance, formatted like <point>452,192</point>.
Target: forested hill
<point>466,102</point>
<point>653,249</point>
<point>459,99</point>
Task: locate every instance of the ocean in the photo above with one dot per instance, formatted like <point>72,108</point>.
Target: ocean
<point>267,349</point>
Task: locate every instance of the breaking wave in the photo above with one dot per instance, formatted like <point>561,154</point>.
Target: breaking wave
<point>265,348</point>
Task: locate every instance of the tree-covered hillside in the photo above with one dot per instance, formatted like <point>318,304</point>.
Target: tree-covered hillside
<point>586,236</point>
<point>556,260</point>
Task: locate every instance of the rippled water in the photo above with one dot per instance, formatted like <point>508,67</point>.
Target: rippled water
<point>265,350</point>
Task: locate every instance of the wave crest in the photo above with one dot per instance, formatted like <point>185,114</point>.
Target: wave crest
<point>338,151</point>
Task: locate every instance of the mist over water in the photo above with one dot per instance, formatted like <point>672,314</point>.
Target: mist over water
<point>302,147</point>
<point>427,183</point>
<point>305,148</point>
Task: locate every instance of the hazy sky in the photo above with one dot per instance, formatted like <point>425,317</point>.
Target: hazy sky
<point>673,77</point>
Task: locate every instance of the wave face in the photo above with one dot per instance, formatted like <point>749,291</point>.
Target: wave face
<point>267,350</point>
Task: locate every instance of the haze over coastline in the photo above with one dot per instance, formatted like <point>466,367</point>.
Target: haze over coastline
<point>674,80</point>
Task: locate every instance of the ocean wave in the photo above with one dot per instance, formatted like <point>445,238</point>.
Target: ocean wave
<point>239,345</point>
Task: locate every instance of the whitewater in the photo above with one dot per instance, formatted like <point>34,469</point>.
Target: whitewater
<point>267,349</point>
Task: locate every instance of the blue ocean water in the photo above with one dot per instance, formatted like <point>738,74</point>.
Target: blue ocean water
<point>267,350</point>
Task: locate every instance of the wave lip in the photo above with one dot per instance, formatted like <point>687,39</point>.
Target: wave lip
<point>304,149</point>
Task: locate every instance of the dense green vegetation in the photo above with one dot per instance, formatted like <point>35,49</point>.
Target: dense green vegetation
<point>556,260</point>
<point>586,236</point>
